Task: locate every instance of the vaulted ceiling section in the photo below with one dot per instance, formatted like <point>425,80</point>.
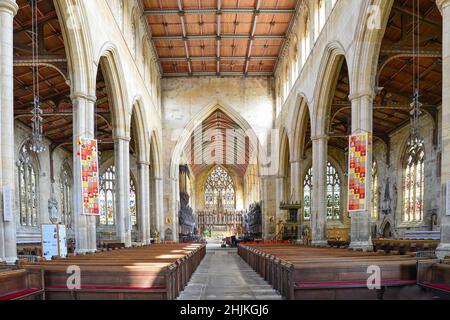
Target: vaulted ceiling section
<point>219,140</point>
<point>54,89</point>
<point>395,73</point>
<point>219,37</point>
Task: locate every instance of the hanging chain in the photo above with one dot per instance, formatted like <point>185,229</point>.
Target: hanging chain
<point>415,140</point>
<point>37,139</point>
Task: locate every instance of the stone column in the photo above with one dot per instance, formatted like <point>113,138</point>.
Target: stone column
<point>8,9</point>
<point>157,214</point>
<point>319,195</point>
<point>143,202</point>
<point>122,165</point>
<point>297,188</point>
<point>362,122</point>
<point>83,127</point>
<point>279,198</point>
<point>443,249</point>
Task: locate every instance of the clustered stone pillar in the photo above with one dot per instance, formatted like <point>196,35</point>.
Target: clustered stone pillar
<point>296,181</point>
<point>83,127</point>
<point>8,9</point>
<point>144,201</point>
<point>122,165</point>
<point>362,122</point>
<point>443,249</point>
<point>279,198</point>
<point>319,195</point>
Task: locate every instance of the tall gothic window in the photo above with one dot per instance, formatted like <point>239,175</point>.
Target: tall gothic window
<point>307,195</point>
<point>65,189</point>
<point>132,205</point>
<point>414,182</point>
<point>108,197</point>
<point>219,190</point>
<point>374,190</point>
<point>28,194</point>
<point>333,193</point>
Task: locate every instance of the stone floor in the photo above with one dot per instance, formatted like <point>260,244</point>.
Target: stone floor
<point>223,275</point>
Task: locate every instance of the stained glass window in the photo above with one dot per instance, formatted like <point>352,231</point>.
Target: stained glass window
<point>27,191</point>
<point>414,182</point>
<point>374,190</point>
<point>65,188</point>
<point>219,190</point>
<point>108,196</point>
<point>333,193</point>
<point>132,205</point>
<point>307,195</point>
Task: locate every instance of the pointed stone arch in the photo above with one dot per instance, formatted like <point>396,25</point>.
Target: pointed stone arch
<point>184,136</point>
<point>333,58</point>
<point>136,122</point>
<point>299,118</point>
<point>112,69</point>
<point>77,39</point>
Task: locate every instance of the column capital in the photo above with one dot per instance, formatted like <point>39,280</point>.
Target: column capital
<point>320,137</point>
<point>144,163</point>
<point>9,6</point>
<point>83,96</point>
<point>369,93</point>
<point>121,138</point>
<point>441,4</point>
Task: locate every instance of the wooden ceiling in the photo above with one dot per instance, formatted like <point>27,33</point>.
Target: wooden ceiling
<point>219,37</point>
<point>211,141</point>
<point>54,90</point>
<point>395,73</point>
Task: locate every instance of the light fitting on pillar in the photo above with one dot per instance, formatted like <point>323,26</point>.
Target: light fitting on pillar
<point>415,141</point>
<point>37,138</point>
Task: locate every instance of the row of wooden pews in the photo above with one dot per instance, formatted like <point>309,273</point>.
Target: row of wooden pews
<point>404,246</point>
<point>434,276</point>
<point>155,272</point>
<point>19,284</point>
<point>308,273</point>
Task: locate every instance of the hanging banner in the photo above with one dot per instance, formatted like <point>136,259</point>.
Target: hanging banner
<point>358,168</point>
<point>8,202</point>
<point>88,154</point>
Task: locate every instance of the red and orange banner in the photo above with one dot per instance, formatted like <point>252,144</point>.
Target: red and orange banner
<point>358,170</point>
<point>88,154</point>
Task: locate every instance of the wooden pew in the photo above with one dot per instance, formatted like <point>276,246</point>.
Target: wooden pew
<point>404,246</point>
<point>434,276</point>
<point>156,272</point>
<point>317,273</point>
<point>20,284</point>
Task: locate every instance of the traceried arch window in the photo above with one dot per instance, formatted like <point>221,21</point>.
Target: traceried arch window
<point>219,190</point>
<point>65,189</point>
<point>27,189</point>
<point>374,190</point>
<point>132,205</point>
<point>108,197</point>
<point>307,195</point>
<point>414,182</point>
<point>333,193</point>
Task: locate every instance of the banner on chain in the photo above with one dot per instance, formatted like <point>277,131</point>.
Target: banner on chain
<point>88,153</point>
<point>358,168</point>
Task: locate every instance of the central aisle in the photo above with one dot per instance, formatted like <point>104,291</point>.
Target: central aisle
<point>223,275</point>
